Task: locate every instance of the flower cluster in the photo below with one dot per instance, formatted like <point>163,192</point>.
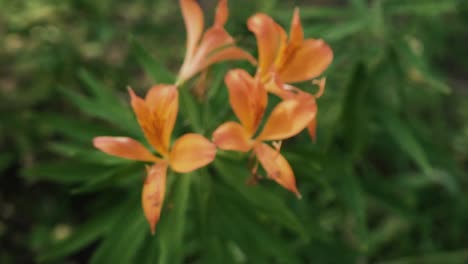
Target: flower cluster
<point>282,60</point>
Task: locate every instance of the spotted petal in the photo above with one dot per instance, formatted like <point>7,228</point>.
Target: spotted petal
<point>152,196</point>
<point>276,166</point>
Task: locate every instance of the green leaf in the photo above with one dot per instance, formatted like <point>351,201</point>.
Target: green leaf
<point>312,12</point>
<point>172,226</point>
<point>98,90</point>
<point>359,5</point>
<point>122,175</point>
<point>85,154</point>
<point>454,257</point>
<point>120,117</point>
<point>260,198</point>
<point>73,128</point>
<point>417,68</point>
<point>347,29</point>
<point>190,109</point>
<point>158,72</point>
<point>404,137</point>
<point>65,172</point>
<point>125,236</point>
<point>354,199</point>
<point>104,97</point>
<point>257,238</point>
<point>436,176</point>
<point>354,115</point>
<point>81,237</point>
<point>423,8</point>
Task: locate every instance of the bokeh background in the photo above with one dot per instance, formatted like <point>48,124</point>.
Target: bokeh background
<point>386,181</point>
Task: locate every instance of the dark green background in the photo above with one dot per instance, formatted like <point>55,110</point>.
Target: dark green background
<point>386,181</point>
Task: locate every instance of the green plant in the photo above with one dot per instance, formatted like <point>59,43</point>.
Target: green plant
<point>384,182</point>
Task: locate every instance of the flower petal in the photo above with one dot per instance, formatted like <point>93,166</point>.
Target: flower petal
<point>152,116</point>
<point>277,87</point>
<point>248,98</point>
<point>308,61</point>
<point>123,147</point>
<point>222,13</point>
<point>152,196</point>
<point>276,166</point>
<point>232,136</point>
<point>228,54</point>
<point>213,40</point>
<point>269,39</point>
<point>289,118</point>
<point>312,128</point>
<point>163,102</point>
<point>190,152</point>
<point>296,33</point>
<point>215,46</point>
<point>146,121</point>
<point>193,19</point>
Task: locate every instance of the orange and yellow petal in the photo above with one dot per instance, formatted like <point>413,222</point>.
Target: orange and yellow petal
<point>276,167</point>
<point>308,61</point>
<point>229,53</point>
<point>277,87</point>
<point>193,19</point>
<point>269,39</point>
<point>222,13</point>
<point>248,98</point>
<point>163,102</point>
<point>312,129</point>
<point>289,118</point>
<point>296,33</point>
<point>154,189</point>
<point>213,40</point>
<point>146,122</point>
<point>190,152</point>
<point>124,147</point>
<point>232,136</point>
<point>216,44</point>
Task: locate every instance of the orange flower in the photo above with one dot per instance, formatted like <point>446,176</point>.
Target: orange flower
<point>286,91</point>
<point>216,44</point>
<point>156,115</point>
<point>248,99</point>
<point>283,60</point>
<point>295,59</point>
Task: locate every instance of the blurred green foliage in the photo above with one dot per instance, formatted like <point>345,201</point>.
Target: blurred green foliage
<point>385,182</point>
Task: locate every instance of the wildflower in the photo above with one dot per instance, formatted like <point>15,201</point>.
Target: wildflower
<point>248,99</point>
<point>214,46</point>
<point>293,60</point>
<point>156,116</point>
<point>286,91</point>
<point>283,60</point>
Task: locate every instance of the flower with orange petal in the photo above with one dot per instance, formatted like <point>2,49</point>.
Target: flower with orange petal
<point>283,60</point>
<point>286,91</point>
<point>156,116</point>
<point>214,46</point>
<point>248,99</point>
<point>293,60</point>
